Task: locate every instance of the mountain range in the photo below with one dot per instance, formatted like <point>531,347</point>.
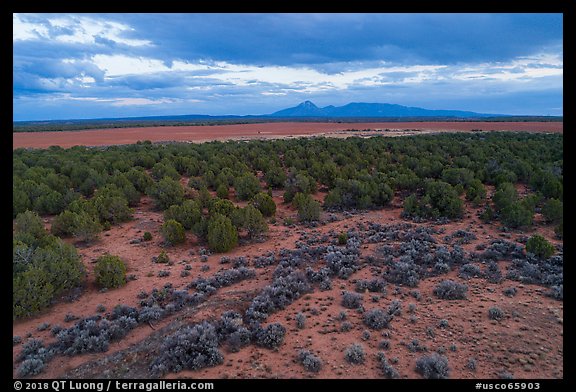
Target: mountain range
<point>361,109</point>
<point>306,111</point>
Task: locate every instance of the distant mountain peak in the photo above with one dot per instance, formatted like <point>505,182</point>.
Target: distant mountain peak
<point>364,109</point>
<point>305,109</point>
<point>307,104</point>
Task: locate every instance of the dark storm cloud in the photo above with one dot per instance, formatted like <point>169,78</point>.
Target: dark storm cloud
<point>287,39</point>
<point>148,81</point>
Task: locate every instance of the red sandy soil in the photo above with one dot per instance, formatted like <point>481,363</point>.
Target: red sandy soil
<point>528,343</point>
<point>275,130</point>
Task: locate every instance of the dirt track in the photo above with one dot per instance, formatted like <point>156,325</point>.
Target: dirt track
<point>257,131</point>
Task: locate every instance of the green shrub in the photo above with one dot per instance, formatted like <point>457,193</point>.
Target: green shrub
<point>147,236</point>
<point>539,246</point>
<point>253,221</point>
<point>222,191</point>
<point>162,258</point>
<point>129,191</point>
<point>139,179</point>
<point>201,228</point>
<point>203,198</point>
<point>553,210</point>
<point>50,202</point>
<point>516,215</point>
<point>548,184</point>
<point>111,205</point>
<point>20,201</point>
<point>298,199</point>
<point>504,196</point>
<point>222,235</point>
<point>559,230</point>
<point>61,262</point>
<point>365,192</point>
<point>197,183</point>
<point>82,226</point>
<point>187,214</point>
<point>162,170</point>
<point>80,206</point>
<point>110,271</point>
<point>225,177</point>
<point>89,185</point>
<point>288,195</point>
<point>173,232</point>
<point>410,205</point>
<point>298,182</point>
<point>246,186</point>
<point>308,208</point>
<point>333,199</point>
<point>342,238</point>
<point>166,192</point>
<point>459,188</point>
<point>29,223</point>
<point>264,203</point>
<point>222,207</point>
<point>440,200</point>
<point>503,176</point>
<point>476,192</point>
<point>210,178</point>
<point>63,224</point>
<point>32,292</point>
<point>444,198</point>
<point>42,270</point>
<point>458,176</point>
<point>86,228</point>
<point>530,201</point>
<point>487,215</point>
<point>275,177</point>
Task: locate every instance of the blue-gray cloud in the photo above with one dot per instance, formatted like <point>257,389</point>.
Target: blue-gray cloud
<point>327,38</point>
<point>208,63</point>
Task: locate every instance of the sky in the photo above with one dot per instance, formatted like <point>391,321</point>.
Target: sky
<point>78,66</point>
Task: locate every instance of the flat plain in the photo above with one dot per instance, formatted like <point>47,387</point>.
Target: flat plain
<point>526,341</point>
<point>274,130</point>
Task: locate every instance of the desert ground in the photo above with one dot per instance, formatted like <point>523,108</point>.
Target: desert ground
<point>198,134</point>
<point>527,343</point>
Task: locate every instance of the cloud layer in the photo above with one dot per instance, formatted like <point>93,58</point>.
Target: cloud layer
<point>100,65</point>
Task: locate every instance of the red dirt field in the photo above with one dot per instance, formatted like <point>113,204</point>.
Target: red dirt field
<point>528,343</point>
<point>197,134</point>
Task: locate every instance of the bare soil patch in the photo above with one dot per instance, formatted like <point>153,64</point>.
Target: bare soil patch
<point>198,134</point>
